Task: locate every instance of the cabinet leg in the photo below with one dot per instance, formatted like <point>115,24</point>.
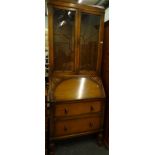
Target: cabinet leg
<point>100,139</point>
<point>52,149</point>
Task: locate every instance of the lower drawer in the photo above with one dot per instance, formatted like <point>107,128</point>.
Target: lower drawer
<point>69,127</point>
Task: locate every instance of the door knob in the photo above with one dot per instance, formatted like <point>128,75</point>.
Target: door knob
<point>66,111</point>
<point>91,108</point>
<point>65,128</point>
<point>90,125</point>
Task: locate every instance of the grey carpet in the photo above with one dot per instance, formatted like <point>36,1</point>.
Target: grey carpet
<point>80,146</point>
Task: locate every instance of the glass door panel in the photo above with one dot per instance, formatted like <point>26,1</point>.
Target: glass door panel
<point>89,40</point>
<point>63,39</point>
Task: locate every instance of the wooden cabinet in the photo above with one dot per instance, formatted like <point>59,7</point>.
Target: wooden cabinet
<point>76,93</point>
<point>105,79</point>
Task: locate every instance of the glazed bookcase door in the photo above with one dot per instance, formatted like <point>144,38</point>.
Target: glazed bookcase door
<point>75,40</point>
<point>89,42</point>
<point>63,39</point>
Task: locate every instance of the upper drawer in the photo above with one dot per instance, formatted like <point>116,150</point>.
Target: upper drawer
<point>70,109</point>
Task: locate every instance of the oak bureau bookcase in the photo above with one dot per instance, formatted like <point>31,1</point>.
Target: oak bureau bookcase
<point>76,94</point>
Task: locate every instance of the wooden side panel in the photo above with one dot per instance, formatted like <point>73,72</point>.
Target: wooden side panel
<point>105,62</point>
<point>105,79</point>
<point>50,38</point>
<point>100,46</point>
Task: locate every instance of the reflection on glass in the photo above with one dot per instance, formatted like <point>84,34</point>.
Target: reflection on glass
<point>89,36</point>
<point>63,39</point>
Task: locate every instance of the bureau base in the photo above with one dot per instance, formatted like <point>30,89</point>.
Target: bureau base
<point>53,140</point>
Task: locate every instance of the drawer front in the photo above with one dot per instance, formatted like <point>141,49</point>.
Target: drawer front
<point>68,127</point>
<point>70,109</point>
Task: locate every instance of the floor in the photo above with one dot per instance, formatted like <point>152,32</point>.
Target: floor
<point>80,146</point>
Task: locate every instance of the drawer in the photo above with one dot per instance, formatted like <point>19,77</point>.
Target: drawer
<point>70,109</point>
<point>74,126</point>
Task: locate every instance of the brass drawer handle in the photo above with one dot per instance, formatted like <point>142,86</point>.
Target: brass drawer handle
<point>66,111</point>
<point>65,128</point>
<point>90,125</point>
<point>91,108</point>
